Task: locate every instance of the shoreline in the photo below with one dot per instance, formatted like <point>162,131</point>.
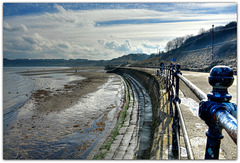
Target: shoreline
<point>51,100</point>
<point>46,93</point>
<point>54,118</point>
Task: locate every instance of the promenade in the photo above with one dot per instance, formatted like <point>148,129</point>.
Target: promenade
<point>125,144</point>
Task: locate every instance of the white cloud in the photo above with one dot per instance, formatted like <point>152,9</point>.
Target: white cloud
<point>149,45</point>
<point>114,45</point>
<point>77,34</point>
<point>211,5</point>
<point>18,28</point>
<point>35,43</point>
<point>71,18</point>
<point>197,8</point>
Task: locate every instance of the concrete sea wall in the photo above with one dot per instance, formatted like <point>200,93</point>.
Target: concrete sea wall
<point>161,126</point>
<point>161,137</point>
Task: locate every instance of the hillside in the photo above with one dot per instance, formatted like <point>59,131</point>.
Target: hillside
<point>126,59</point>
<point>52,62</point>
<point>195,52</point>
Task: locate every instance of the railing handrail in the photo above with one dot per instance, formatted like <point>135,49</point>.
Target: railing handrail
<point>184,130</point>
<point>210,111</point>
<point>185,134</point>
<point>228,122</point>
<point>198,92</point>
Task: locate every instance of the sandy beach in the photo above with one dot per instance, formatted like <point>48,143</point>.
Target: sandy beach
<point>71,93</point>
<point>64,123</point>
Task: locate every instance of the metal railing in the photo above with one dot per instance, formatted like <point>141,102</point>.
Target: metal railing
<point>215,108</point>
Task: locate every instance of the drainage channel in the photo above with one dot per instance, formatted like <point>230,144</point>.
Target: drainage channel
<point>145,118</point>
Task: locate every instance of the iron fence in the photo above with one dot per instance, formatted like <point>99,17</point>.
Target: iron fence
<point>215,108</point>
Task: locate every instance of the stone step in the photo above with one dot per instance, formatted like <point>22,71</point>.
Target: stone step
<point>125,144</point>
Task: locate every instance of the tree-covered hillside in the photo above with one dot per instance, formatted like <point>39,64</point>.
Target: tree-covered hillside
<point>196,51</point>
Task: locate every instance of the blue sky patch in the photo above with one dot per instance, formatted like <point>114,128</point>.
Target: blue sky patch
<point>11,9</point>
<point>141,21</point>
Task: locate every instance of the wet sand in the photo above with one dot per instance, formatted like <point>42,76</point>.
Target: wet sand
<point>64,123</point>
<point>71,93</point>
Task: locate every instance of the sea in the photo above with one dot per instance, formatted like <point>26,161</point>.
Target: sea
<point>18,88</point>
<point>70,133</point>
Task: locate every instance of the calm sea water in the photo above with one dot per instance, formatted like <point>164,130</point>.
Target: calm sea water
<point>70,133</point>
<point>17,88</point>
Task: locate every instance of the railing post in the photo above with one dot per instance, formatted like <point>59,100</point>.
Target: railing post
<point>172,86</point>
<point>177,80</point>
<point>161,67</point>
<point>172,69</point>
<point>175,125</point>
<point>170,76</point>
<point>164,70</point>
<point>167,73</point>
<point>221,77</point>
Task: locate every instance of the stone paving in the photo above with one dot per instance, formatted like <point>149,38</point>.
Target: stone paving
<point>125,143</point>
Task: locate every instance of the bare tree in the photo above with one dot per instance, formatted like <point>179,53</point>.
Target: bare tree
<point>201,30</point>
<point>176,43</point>
<point>169,46</point>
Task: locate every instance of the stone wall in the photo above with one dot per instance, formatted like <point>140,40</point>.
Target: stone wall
<point>161,128</point>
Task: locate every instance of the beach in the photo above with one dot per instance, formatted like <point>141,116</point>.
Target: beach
<point>64,122</point>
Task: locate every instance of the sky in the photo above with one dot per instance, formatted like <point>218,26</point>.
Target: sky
<point>103,31</point>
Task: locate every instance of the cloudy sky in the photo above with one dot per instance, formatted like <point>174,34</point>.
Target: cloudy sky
<point>103,30</point>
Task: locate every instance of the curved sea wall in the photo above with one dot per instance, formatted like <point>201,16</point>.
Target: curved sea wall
<point>161,116</point>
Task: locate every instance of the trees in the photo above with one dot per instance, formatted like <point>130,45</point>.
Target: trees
<point>175,43</point>
<point>169,46</point>
<point>231,24</point>
<point>201,30</point>
<point>178,41</point>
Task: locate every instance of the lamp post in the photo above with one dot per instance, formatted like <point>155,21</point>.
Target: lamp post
<point>212,40</point>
